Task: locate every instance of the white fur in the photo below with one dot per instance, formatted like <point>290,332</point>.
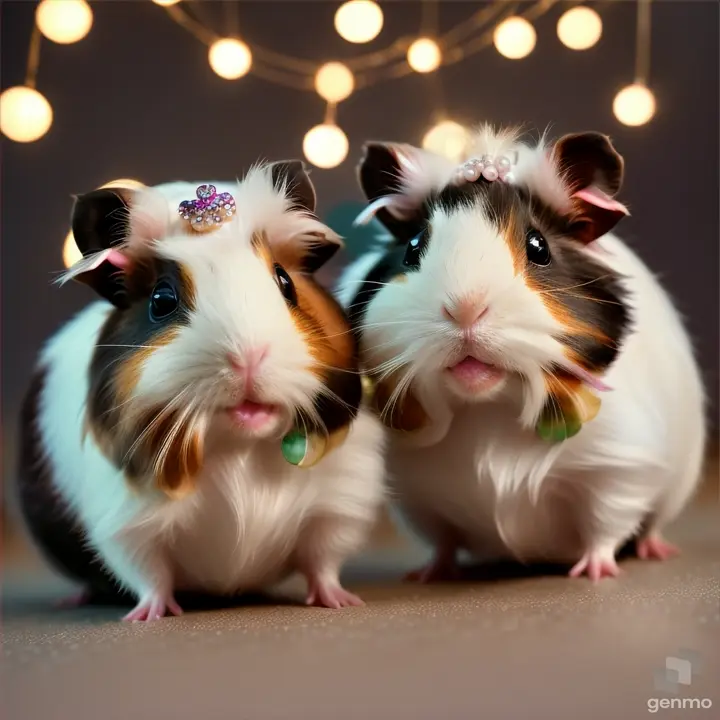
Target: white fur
<point>253,518</point>
<point>490,479</point>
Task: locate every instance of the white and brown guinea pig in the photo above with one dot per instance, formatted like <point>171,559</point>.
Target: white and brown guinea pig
<point>544,393</point>
<point>152,433</point>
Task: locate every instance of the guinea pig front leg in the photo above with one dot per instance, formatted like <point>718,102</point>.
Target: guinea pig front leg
<point>139,563</point>
<point>613,503</point>
<point>324,544</point>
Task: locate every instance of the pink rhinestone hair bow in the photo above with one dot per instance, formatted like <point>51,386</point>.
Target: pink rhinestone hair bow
<point>209,211</point>
<point>489,167</point>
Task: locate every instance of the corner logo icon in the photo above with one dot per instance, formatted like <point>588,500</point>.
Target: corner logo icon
<point>677,673</point>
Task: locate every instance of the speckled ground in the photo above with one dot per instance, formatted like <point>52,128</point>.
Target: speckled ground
<point>503,646</point>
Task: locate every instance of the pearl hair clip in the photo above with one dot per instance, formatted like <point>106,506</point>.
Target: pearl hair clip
<point>489,167</point>
<point>209,211</point>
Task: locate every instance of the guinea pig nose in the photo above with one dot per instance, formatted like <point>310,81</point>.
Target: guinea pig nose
<point>466,312</point>
<point>249,360</point>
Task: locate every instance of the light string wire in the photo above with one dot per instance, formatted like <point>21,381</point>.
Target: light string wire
<point>299,73</point>
<point>642,43</point>
<point>33,61</point>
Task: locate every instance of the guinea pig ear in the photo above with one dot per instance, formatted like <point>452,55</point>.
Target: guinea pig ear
<point>100,225</point>
<point>393,178</point>
<point>293,177</point>
<point>593,171</point>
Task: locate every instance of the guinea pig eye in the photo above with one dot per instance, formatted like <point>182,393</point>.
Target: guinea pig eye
<point>414,251</point>
<point>163,301</point>
<point>286,285</point>
<point>537,248</point>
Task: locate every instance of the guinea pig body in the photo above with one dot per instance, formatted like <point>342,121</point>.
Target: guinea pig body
<point>497,309</point>
<point>152,436</point>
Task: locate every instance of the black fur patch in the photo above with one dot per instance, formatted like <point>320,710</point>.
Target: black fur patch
<point>54,528</point>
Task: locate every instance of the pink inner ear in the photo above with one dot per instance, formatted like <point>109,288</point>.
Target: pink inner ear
<point>597,197</point>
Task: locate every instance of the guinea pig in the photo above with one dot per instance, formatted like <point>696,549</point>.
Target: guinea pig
<point>541,391</point>
<point>200,427</point>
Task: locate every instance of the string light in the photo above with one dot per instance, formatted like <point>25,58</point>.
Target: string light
<point>166,3</point>
<point>424,55</point>
<point>230,58</point>
<point>359,21</point>
<point>25,114</point>
<point>634,105</point>
<point>447,138</point>
<point>325,146</point>
<point>579,28</point>
<point>334,82</point>
<point>70,252</point>
<point>64,21</point>
<point>514,38</point>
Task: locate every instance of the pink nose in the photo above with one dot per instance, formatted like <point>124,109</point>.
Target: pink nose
<point>466,312</point>
<point>248,363</point>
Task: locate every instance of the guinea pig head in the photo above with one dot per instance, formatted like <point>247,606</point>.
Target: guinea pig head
<point>219,337</point>
<point>497,282</point>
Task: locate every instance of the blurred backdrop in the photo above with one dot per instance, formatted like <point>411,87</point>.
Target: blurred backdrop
<point>136,97</point>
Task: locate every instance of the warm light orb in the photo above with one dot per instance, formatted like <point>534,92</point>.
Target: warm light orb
<point>634,105</point>
<point>334,82</point>
<point>64,21</point>
<point>447,138</point>
<point>325,146</point>
<point>25,114</point>
<point>514,38</point>
<point>359,21</point>
<point>579,28</point>
<point>424,55</point>
<point>70,253</point>
<point>166,3</point>
<point>230,58</point>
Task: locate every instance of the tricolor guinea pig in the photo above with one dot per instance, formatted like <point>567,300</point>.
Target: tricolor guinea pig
<point>200,427</point>
<point>543,396</point>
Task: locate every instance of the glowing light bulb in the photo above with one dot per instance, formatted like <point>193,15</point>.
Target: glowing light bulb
<point>334,82</point>
<point>25,114</point>
<point>634,105</point>
<point>166,3</point>
<point>325,146</point>
<point>230,58</point>
<point>579,28</point>
<point>424,55</point>
<point>359,21</point>
<point>514,38</point>
<point>64,21</point>
<point>447,138</point>
<point>70,253</point>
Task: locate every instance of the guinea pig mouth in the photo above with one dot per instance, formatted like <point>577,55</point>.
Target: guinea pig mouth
<point>475,373</point>
<point>252,415</point>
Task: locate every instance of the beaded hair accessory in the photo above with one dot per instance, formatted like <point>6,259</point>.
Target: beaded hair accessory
<point>489,167</point>
<point>209,211</point>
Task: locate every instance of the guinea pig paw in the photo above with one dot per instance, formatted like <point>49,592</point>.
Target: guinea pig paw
<point>330,595</point>
<point>596,564</point>
<point>653,547</point>
<point>153,607</point>
<point>83,597</point>
<point>437,570</point>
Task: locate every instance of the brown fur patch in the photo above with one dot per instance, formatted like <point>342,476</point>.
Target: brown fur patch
<point>406,413</point>
<point>261,246</point>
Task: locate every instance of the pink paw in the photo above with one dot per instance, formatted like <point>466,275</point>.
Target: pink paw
<point>596,564</point>
<point>437,570</point>
<point>74,601</point>
<point>654,547</point>
<point>154,607</point>
<point>330,595</point>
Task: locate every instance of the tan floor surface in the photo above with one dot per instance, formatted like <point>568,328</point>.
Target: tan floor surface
<point>509,647</point>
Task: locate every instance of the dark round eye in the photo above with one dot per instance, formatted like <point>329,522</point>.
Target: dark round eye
<point>287,288</point>
<point>415,249</point>
<point>163,301</point>
<point>537,248</point>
